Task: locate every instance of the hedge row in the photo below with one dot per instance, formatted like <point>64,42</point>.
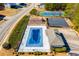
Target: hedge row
<point>18,32</point>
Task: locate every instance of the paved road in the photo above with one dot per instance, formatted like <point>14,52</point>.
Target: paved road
<point>7,25</point>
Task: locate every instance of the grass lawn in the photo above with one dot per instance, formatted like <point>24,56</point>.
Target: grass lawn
<point>18,32</point>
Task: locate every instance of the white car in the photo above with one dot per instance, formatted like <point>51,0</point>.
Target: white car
<point>6,18</point>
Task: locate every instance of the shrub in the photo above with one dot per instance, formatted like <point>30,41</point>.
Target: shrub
<point>6,46</point>
<point>63,49</point>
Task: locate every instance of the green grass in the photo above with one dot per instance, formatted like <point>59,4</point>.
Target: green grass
<point>17,34</point>
<point>72,12</point>
<point>63,49</point>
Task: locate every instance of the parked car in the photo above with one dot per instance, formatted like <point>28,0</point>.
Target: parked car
<point>16,6</point>
<point>2,17</point>
<point>6,18</point>
<point>23,4</point>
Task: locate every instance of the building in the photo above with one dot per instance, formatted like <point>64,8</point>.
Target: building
<point>41,5</point>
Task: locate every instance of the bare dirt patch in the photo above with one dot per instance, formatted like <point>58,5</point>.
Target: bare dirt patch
<point>9,12</point>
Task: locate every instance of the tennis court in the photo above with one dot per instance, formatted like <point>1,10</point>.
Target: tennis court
<point>51,13</point>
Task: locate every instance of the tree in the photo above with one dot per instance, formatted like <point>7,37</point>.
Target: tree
<point>72,11</point>
<point>2,7</point>
<point>1,4</point>
<point>50,6</point>
<point>55,6</point>
<point>33,12</point>
<point>69,10</point>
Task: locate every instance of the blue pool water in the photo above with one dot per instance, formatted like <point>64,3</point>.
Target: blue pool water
<point>51,13</point>
<point>35,38</point>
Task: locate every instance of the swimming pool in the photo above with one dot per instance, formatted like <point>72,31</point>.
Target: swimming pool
<point>35,38</point>
<point>51,13</point>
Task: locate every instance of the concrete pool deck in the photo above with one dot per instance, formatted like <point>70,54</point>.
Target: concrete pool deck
<point>71,37</point>
<point>45,48</point>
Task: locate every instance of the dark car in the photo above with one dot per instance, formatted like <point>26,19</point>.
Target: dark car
<point>16,6</point>
<point>2,17</point>
<point>23,4</point>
